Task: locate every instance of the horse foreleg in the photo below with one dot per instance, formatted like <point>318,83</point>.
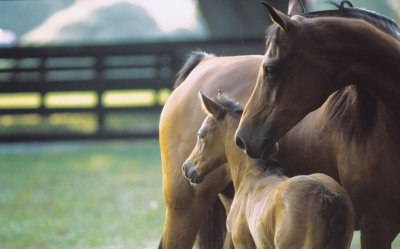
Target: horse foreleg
<point>187,209</point>
<point>182,224</point>
<point>378,231</point>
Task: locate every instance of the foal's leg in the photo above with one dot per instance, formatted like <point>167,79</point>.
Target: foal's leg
<point>227,202</point>
<point>187,207</point>
<point>378,230</point>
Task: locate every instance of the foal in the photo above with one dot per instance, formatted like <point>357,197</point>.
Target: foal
<point>269,210</point>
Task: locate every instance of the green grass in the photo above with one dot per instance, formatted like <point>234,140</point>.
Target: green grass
<point>85,195</point>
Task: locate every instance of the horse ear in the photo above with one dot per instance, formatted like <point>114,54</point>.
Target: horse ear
<point>296,7</point>
<point>278,17</point>
<point>211,106</point>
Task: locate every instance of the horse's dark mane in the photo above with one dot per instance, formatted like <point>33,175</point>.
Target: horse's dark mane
<point>228,103</point>
<point>194,58</point>
<point>271,166</point>
<point>352,111</point>
<point>381,22</point>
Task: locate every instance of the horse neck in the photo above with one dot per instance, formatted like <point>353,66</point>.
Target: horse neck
<point>242,168</point>
<point>367,58</point>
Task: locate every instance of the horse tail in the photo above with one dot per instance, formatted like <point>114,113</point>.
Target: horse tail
<point>337,210</point>
<point>193,60</point>
<point>213,230</point>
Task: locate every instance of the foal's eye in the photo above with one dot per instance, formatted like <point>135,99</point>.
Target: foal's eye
<point>201,135</point>
<point>270,71</point>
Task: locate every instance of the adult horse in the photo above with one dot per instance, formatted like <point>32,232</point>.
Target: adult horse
<point>188,205</point>
<point>357,130</point>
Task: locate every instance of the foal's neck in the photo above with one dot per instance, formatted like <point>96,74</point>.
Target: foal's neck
<point>243,168</point>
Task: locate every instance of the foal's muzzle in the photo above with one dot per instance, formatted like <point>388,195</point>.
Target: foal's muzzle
<point>190,172</point>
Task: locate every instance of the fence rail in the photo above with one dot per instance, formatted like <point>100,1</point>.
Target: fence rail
<point>99,69</point>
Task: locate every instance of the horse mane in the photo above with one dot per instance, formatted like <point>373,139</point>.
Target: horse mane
<point>230,105</point>
<point>194,58</point>
<point>271,166</point>
<point>351,110</point>
<point>379,21</point>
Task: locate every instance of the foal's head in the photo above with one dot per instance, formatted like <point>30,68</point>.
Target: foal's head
<point>216,130</point>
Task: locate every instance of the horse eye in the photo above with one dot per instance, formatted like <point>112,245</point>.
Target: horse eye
<point>201,135</point>
<point>239,112</point>
<point>270,71</point>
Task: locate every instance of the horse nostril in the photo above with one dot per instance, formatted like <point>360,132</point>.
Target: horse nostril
<point>185,169</point>
<point>239,142</point>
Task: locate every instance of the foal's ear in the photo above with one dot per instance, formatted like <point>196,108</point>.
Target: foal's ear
<point>278,17</point>
<point>211,106</point>
<point>296,7</point>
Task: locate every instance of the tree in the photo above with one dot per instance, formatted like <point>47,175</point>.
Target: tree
<point>237,18</point>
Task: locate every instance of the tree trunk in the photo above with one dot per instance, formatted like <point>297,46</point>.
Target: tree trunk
<point>237,18</point>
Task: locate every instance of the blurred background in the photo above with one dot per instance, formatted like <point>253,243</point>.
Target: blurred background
<point>82,84</point>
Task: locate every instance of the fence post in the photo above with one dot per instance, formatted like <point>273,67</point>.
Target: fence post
<point>99,68</point>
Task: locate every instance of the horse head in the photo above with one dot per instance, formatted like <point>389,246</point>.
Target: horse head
<point>209,152</point>
<point>295,78</point>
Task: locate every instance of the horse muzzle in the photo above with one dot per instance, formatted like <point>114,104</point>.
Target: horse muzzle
<point>259,149</point>
<point>190,172</point>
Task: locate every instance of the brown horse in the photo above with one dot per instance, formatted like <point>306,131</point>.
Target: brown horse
<point>356,131</point>
<point>269,210</point>
<point>187,205</point>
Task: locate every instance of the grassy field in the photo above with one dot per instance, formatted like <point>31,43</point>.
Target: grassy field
<point>81,195</point>
<point>104,195</point>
